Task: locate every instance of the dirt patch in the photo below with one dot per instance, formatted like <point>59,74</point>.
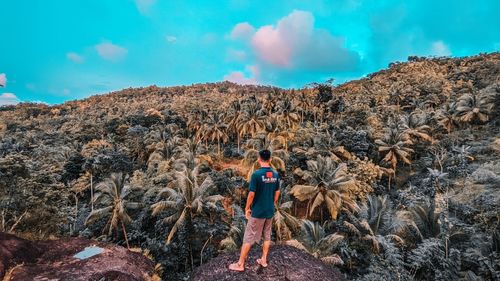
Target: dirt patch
<point>48,260</point>
<point>14,250</point>
<point>229,163</point>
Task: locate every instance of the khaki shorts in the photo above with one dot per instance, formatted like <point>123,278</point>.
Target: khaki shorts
<point>255,228</point>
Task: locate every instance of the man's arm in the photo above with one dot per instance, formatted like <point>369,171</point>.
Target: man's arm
<point>248,211</point>
<point>276,197</point>
<point>277,193</point>
<point>251,195</point>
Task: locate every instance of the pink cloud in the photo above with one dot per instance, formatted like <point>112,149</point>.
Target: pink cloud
<point>276,46</point>
<point>238,77</point>
<point>294,43</point>
<point>271,47</point>
<point>242,30</point>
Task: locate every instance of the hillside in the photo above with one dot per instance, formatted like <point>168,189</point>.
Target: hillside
<point>392,177</point>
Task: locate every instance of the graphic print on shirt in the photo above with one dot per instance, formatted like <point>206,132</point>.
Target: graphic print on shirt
<point>269,178</point>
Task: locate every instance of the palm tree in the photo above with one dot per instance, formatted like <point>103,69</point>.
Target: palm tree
<point>163,151</point>
<point>189,147</point>
<point>286,115</point>
<point>114,200</point>
<point>415,125</point>
<point>270,101</point>
<point>426,220</point>
<point>446,117</point>
<point>383,220</point>
<point>234,239</point>
<point>196,120</point>
<point>315,241</point>
<point>436,177</point>
<point>395,146</point>
<point>186,198</point>
<point>474,108</point>
<point>377,222</point>
<point>90,151</point>
<point>252,121</point>
<point>327,184</point>
<point>214,129</point>
<point>303,103</point>
<point>235,113</point>
<point>378,211</point>
<point>285,223</point>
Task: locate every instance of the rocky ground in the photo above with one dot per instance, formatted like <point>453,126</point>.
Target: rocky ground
<point>22,260</point>
<point>285,263</point>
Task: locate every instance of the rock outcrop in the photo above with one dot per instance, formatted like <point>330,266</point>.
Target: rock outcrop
<point>285,263</point>
<point>54,260</point>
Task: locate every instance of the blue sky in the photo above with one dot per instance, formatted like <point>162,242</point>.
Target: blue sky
<point>58,50</point>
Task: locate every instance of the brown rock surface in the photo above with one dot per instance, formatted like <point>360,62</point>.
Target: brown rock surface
<point>53,260</point>
<point>285,263</point>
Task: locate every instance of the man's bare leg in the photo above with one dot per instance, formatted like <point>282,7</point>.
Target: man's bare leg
<point>240,265</point>
<point>265,250</point>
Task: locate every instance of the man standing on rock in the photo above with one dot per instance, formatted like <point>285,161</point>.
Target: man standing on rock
<point>259,210</point>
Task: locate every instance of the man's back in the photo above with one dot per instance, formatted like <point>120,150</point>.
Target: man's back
<point>264,182</point>
<point>259,210</point>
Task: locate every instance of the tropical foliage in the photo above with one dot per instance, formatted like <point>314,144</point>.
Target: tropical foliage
<point>392,177</point>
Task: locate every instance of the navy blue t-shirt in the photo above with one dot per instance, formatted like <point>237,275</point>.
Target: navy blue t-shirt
<point>264,182</point>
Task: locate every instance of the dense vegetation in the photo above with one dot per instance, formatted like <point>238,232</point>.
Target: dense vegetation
<point>391,177</point>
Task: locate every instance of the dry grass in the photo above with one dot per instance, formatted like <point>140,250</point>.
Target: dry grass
<point>10,272</point>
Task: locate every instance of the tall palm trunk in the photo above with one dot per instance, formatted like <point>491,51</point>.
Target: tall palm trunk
<point>238,142</point>
<point>218,146</point>
<point>91,192</point>
<point>76,209</point>
<point>125,235</point>
<point>189,242</point>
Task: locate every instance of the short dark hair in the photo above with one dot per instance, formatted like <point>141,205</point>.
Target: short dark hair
<point>265,154</point>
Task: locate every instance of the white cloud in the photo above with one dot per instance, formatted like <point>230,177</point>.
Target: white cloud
<point>74,57</point>
<point>110,51</point>
<point>242,30</point>
<point>171,39</point>
<point>39,101</point>
<point>144,5</point>
<point>439,48</point>
<point>8,99</point>
<point>3,80</point>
